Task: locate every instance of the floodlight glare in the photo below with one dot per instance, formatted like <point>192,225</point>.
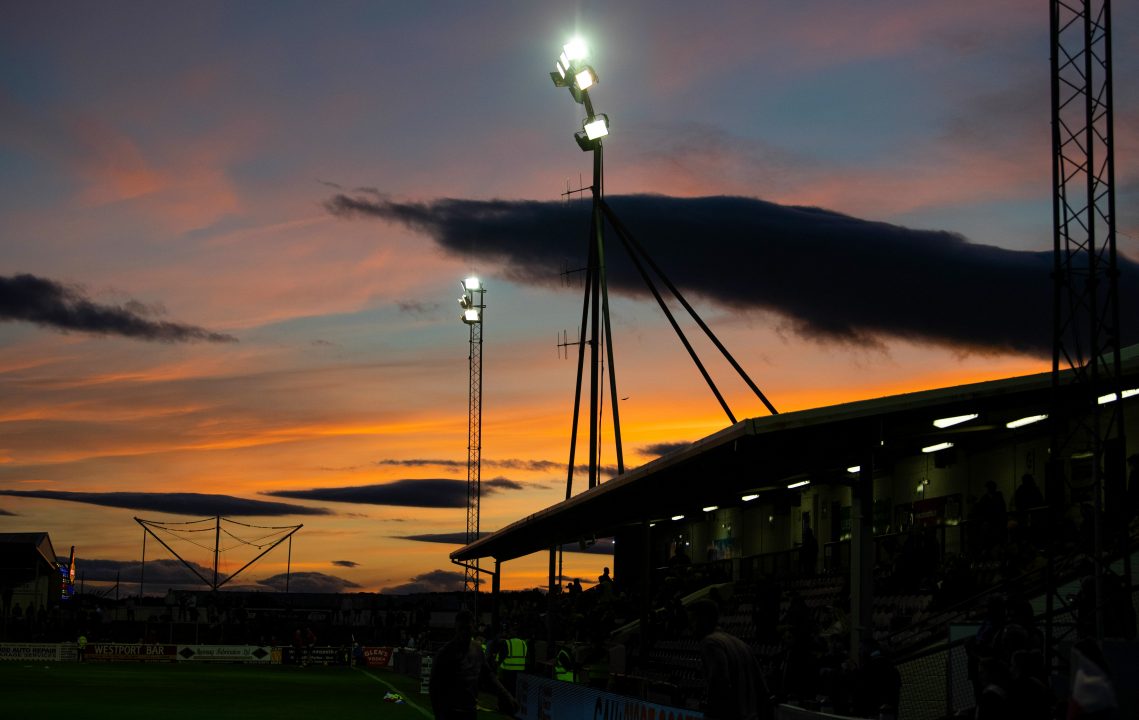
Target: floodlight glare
<point>711,508</point>
<point>799,484</point>
<point>471,316</point>
<point>471,283</point>
<point>597,127</point>
<point>576,50</point>
<point>749,498</point>
<point>854,469</point>
<point>677,517</point>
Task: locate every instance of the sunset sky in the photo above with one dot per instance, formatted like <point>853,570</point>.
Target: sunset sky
<point>232,236</point>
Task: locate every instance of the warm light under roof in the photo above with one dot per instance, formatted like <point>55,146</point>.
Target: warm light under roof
<point>937,447</point>
<point>1021,422</point>
<point>955,420</point>
<point>801,483</point>
<point>749,498</point>
<point>854,469</point>
<point>711,508</point>
<point>677,517</point>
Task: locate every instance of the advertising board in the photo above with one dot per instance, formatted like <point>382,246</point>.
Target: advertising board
<point>124,652</point>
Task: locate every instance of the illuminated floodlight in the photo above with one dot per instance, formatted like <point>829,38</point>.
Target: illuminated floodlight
<point>937,447</point>
<point>472,284</point>
<point>711,508</point>
<point>956,420</point>
<point>854,469</point>
<point>799,484</point>
<point>471,316</point>
<point>677,517</point>
<point>584,79</point>
<point>575,50</point>
<point>1021,422</point>
<point>596,127</point>
<point>652,524</point>
<point>749,498</point>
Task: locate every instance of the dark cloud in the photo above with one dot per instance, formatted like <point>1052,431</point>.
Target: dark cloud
<point>453,538</point>
<point>424,492</point>
<point>195,504</point>
<point>501,483</point>
<point>507,464</point>
<point>434,581</point>
<point>663,448</point>
<point>603,546</point>
<point>308,582</point>
<point>161,574</point>
<point>6,512</point>
<point>831,276</point>
<point>48,303</point>
<point>346,563</point>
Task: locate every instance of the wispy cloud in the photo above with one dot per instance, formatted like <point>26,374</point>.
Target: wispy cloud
<point>832,277</point>
<point>345,563</point>
<point>196,504</point>
<point>28,298</point>
<point>423,492</point>
<point>507,464</point>
<point>602,546</point>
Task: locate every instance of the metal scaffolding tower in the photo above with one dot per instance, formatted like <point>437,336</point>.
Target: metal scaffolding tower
<point>1088,442</point>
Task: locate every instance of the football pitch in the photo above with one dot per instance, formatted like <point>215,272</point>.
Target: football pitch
<point>182,690</point>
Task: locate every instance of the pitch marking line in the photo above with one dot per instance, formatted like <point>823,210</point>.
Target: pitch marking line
<point>396,690</point>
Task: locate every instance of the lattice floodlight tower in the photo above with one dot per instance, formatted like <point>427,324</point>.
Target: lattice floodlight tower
<point>473,304</point>
<point>1087,418</point>
<point>192,530</point>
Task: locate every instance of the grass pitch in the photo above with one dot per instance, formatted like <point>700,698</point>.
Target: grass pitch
<point>172,691</point>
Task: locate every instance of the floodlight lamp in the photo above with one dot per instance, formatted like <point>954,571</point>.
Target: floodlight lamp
<point>677,517</point>
<point>854,469</point>
<point>575,50</point>
<point>710,508</point>
<point>465,302</point>
<point>471,283</point>
<point>596,127</point>
<point>471,316</point>
<point>801,483</point>
<point>749,498</point>
<point>584,79</point>
<point>1021,422</point>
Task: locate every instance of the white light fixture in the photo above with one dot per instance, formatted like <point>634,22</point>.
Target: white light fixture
<point>955,420</point>
<point>596,128</point>
<point>471,283</point>
<point>471,316</point>
<point>937,447</point>
<point>711,508</point>
<point>1111,397</point>
<point>801,483</point>
<point>1021,422</point>
<point>854,469</point>
<point>575,50</point>
<point>749,498</point>
<point>652,524</point>
<point>585,78</point>
<point>677,517</point>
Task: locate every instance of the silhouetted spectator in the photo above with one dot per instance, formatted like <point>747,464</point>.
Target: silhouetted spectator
<point>457,673</point>
<point>993,516</point>
<point>808,552</point>
<point>1027,495</point>
<point>604,581</point>
<point>734,682</point>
